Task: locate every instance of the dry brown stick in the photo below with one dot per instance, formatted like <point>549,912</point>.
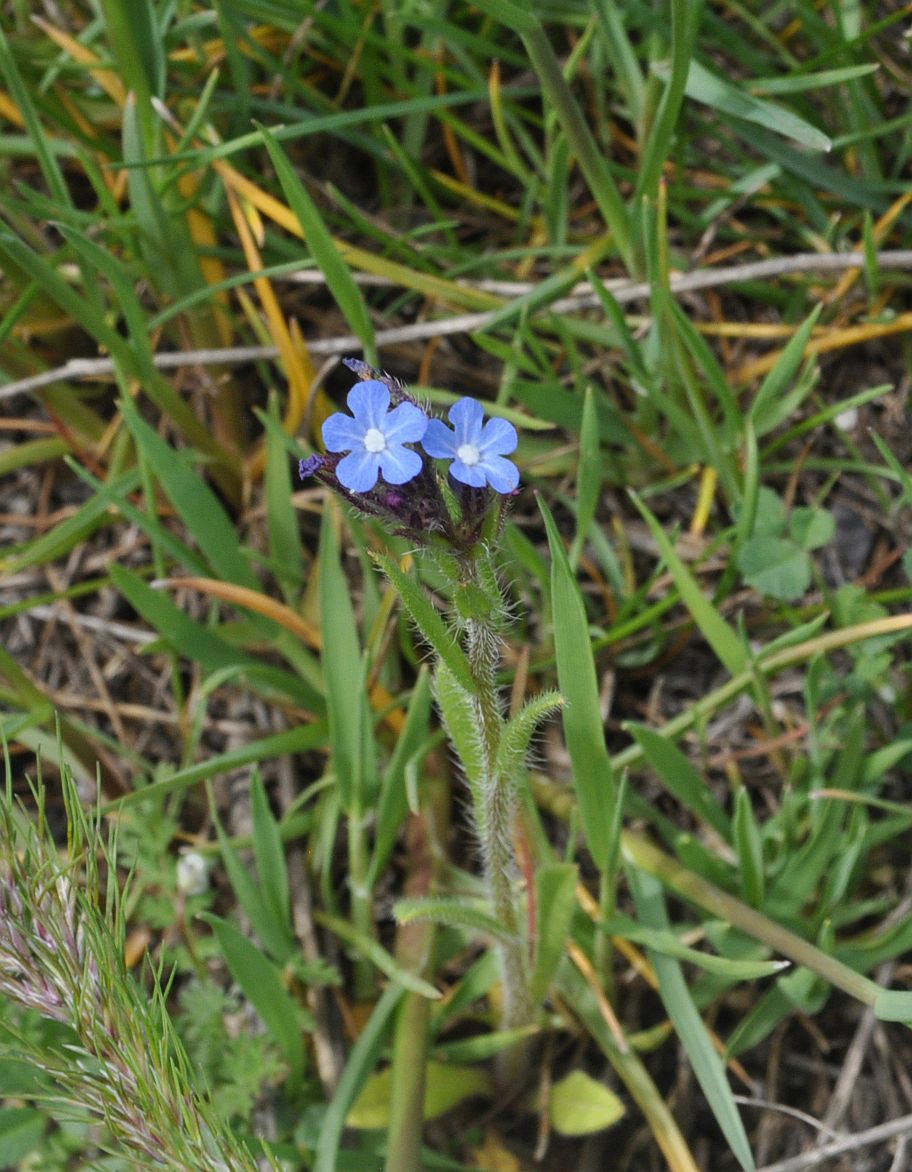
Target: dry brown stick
<point>622,290</point>
<point>851,1143</point>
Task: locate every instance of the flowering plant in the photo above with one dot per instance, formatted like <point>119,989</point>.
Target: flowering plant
<point>380,438</point>
<point>455,514</point>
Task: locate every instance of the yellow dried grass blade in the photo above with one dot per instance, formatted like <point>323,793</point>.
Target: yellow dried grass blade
<point>253,600</point>
<point>104,75</point>
<point>438,288</point>
<point>835,339</point>
<point>296,360</point>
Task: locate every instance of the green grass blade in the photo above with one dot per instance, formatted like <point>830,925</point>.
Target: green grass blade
<point>590,475</point>
<point>338,276</point>
<point>707,88</point>
<point>555,893</point>
<point>269,856</point>
<point>39,139</point>
<point>285,550</point>
<point>344,667</point>
<point>303,739</point>
<point>197,504</point>
<point>680,778</point>
<point>685,21</point>
<point>718,633</point>
<point>773,403</point>
<point>263,987</point>
<point>689,1027</point>
<point>593,778</point>
<point>361,1062</point>
<point>273,932</point>
<point>392,804</point>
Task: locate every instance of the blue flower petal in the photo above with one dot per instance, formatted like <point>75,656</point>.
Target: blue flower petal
<point>498,438</point>
<point>471,474</point>
<point>399,464</point>
<point>503,476</point>
<point>467,416</point>
<point>369,402</point>
<point>341,433</point>
<point>359,471</point>
<point>405,424</point>
<point>439,441</point>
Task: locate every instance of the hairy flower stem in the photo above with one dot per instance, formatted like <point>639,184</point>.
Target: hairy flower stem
<point>496,807</point>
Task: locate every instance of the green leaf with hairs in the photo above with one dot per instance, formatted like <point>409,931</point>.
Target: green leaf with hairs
<point>455,913</point>
<point>518,732</point>
<point>429,621</point>
<point>461,718</point>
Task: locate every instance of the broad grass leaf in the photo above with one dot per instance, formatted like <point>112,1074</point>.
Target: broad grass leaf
<point>669,945</point>
<point>718,633</point>
<point>749,846</point>
<point>343,668</point>
<point>194,500</point>
<point>590,474</point>
<point>593,777</point>
<point>271,926</point>
<point>22,96</point>
<point>446,1085</point>
<point>341,283</point>
<point>203,645</point>
<point>281,516</point>
<point>720,94</point>
<point>689,1027</point>
<point>773,402</point>
<point>366,947</point>
<point>392,802</point>
<point>64,536</point>
<point>555,902</point>
<point>361,1061</point>
<point>681,778</point>
<point>894,1005</point>
<point>269,856</point>
<point>262,986</point>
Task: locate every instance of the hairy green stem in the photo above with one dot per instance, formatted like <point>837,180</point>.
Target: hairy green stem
<point>497,809</point>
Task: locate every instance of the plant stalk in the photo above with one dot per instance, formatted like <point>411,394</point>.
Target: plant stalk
<point>497,811</point>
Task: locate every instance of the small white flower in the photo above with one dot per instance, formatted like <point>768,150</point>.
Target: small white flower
<point>192,873</point>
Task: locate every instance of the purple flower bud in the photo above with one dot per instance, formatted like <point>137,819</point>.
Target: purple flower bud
<point>309,466</point>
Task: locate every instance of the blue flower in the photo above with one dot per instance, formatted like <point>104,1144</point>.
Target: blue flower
<point>477,451</point>
<point>375,438</point>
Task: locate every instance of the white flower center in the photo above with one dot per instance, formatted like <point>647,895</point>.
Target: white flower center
<point>469,454</point>
<point>374,440</point>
